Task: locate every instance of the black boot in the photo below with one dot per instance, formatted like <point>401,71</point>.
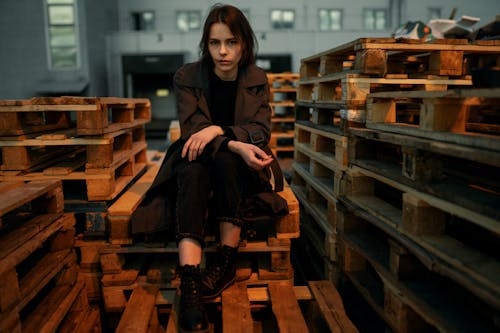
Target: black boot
<point>220,272</point>
<point>192,314</point>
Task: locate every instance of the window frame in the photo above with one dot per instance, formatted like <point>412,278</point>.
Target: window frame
<point>329,11</point>
<point>188,11</point>
<point>141,13</point>
<point>49,35</point>
<point>375,10</point>
<point>282,22</point>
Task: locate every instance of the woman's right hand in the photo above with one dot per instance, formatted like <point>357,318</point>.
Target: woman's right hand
<point>196,143</point>
<point>253,156</point>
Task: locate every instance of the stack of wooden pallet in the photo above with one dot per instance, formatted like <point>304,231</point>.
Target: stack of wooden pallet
<point>101,153</point>
<point>39,289</point>
<point>396,165</point>
<point>283,93</point>
<point>95,147</point>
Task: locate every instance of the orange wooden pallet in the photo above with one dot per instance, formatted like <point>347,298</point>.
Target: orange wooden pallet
<point>93,115</point>
<point>387,56</point>
<point>95,183</point>
<point>37,151</point>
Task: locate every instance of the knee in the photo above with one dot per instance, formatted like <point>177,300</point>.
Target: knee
<point>193,172</point>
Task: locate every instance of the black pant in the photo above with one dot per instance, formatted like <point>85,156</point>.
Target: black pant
<point>217,187</point>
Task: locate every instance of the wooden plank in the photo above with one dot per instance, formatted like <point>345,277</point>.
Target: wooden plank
<point>37,108</point>
<point>48,267</point>
<point>139,309</point>
<point>454,209</point>
<point>51,311</point>
<point>5,187</point>
<point>172,320</point>
<point>236,316</point>
<point>286,309</point>
<point>84,321</point>
<point>332,307</point>
<point>19,196</point>
<point>129,201</point>
<point>42,226</point>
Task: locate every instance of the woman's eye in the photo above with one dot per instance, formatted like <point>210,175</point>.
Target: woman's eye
<point>212,42</point>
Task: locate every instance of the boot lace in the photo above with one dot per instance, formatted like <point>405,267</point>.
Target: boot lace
<point>190,294</point>
<point>216,270</point>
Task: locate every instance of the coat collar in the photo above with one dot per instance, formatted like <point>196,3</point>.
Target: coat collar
<point>197,76</point>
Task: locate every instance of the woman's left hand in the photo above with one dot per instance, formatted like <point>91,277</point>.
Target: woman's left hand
<point>196,143</point>
<point>253,156</point>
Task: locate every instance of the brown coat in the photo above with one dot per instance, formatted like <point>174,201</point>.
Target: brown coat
<point>252,125</point>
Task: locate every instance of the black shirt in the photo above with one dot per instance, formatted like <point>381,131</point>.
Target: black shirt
<point>222,100</point>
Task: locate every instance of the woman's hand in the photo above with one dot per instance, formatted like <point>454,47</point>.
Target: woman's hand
<point>253,156</point>
<point>196,143</point>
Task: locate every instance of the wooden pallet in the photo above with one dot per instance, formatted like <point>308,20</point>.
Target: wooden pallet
<point>281,141</point>
<point>467,117</point>
<point>112,269</point>
<point>320,144</point>
<point>350,90</point>
<point>37,260</point>
<point>388,56</point>
<point>94,116</point>
<point>41,151</point>
<point>285,79</point>
<point>259,261</point>
<point>317,248</point>
<point>443,170</point>
<point>461,238</point>
<point>96,183</point>
<point>92,216</point>
<point>283,93</point>
<point>243,308</point>
<point>402,283</point>
<point>65,303</point>
<point>24,201</point>
<point>329,117</point>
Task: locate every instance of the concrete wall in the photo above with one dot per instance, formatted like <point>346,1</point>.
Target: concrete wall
<point>24,67</point>
<point>23,55</point>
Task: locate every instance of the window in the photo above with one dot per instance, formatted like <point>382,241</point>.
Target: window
<point>282,19</point>
<point>188,20</point>
<point>62,34</point>
<point>143,21</point>
<point>375,19</point>
<point>330,19</point>
<point>433,13</point>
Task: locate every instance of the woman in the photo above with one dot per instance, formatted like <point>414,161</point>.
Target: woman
<point>222,157</point>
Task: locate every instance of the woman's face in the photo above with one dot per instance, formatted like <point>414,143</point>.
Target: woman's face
<point>225,50</point>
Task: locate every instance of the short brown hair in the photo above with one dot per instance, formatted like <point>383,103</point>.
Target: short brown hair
<point>239,26</point>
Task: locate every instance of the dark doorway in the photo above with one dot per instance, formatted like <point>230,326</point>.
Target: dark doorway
<point>151,76</point>
<point>275,63</point>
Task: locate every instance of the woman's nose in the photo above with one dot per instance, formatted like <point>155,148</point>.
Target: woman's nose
<point>223,49</point>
